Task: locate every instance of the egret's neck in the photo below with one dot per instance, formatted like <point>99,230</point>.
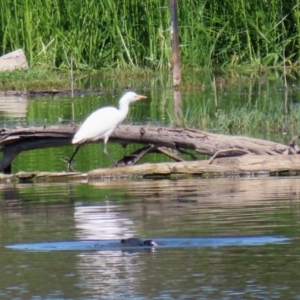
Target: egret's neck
<point>124,107</point>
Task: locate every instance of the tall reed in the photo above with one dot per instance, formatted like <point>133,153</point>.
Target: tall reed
<point>133,33</point>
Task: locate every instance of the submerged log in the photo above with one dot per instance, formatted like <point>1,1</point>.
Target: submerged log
<point>248,164</point>
<point>233,166</point>
<point>159,138</point>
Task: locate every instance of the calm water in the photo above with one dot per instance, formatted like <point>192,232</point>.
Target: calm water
<point>161,209</point>
<point>216,210</point>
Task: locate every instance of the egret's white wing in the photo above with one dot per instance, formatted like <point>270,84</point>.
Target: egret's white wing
<point>100,123</point>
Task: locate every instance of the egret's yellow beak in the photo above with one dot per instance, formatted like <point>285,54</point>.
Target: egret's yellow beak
<point>142,97</point>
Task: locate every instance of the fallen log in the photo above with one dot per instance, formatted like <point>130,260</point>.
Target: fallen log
<point>17,140</point>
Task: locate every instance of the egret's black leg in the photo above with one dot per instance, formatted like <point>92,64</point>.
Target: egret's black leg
<point>69,160</point>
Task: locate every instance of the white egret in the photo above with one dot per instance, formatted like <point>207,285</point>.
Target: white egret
<point>134,242</point>
<point>102,122</point>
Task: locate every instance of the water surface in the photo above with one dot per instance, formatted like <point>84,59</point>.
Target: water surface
<point>231,209</point>
<point>232,224</point>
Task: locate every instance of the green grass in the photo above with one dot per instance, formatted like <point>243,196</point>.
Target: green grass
<point>136,34</point>
<point>34,79</point>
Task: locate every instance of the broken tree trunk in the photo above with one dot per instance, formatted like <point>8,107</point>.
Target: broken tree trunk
<point>156,138</point>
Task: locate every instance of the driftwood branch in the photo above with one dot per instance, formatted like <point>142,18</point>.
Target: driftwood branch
<point>17,140</point>
<point>133,158</point>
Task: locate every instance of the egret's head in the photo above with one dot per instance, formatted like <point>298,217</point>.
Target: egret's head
<point>131,97</point>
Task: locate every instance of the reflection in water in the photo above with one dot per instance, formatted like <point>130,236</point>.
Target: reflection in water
<point>177,114</point>
<point>101,222</point>
<point>108,273</point>
<point>13,107</point>
<point>166,209</point>
<point>213,206</point>
<point>111,274</point>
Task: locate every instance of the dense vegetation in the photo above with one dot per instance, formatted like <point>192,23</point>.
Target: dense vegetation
<point>136,33</point>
